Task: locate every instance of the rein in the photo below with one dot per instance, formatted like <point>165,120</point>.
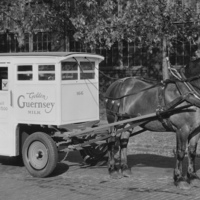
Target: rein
<point>181,78</point>
<point>118,98</point>
<point>190,79</point>
<point>134,93</point>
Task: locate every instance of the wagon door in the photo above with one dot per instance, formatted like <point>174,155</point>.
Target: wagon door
<point>7,146</point>
<point>79,91</point>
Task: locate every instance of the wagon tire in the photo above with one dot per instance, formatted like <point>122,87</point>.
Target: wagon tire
<point>40,154</point>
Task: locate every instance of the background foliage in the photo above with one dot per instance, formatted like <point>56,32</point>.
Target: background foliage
<point>154,25</point>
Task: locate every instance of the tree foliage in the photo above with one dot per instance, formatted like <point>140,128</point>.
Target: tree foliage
<point>104,22</point>
<point>147,21</point>
<point>20,17</point>
<point>32,16</point>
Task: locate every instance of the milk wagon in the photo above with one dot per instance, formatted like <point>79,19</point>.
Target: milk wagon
<point>49,102</point>
<point>43,98</point>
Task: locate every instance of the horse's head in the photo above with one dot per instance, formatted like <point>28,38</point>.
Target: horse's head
<point>192,70</point>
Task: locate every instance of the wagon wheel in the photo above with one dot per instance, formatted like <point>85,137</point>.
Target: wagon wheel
<point>95,153</point>
<point>40,154</point>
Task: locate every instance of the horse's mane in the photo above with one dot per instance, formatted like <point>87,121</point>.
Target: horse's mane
<point>148,80</point>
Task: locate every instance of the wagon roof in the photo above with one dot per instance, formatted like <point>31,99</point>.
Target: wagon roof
<point>51,54</point>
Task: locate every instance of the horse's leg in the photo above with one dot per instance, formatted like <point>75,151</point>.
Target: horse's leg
<point>126,171</point>
<point>192,147</point>
<point>181,140</point>
<point>112,168</point>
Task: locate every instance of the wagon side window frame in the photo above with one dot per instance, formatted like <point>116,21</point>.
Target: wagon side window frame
<point>69,71</point>
<point>24,72</point>
<point>46,72</point>
<point>87,70</point>
<point>3,78</point>
<point>83,70</point>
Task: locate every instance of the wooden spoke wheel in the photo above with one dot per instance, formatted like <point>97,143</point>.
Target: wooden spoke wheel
<point>40,155</point>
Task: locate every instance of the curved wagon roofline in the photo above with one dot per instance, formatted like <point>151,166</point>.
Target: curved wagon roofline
<point>61,55</point>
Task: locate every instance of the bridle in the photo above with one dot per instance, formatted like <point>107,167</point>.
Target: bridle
<point>180,77</point>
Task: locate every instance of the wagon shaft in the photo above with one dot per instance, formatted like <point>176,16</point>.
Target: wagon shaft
<point>78,140</point>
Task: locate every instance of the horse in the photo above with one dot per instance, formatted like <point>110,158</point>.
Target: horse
<point>134,96</point>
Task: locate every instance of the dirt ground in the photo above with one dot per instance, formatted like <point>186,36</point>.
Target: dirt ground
<point>151,179</point>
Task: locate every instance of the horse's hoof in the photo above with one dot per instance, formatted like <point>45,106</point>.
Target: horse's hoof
<point>115,174</point>
<point>195,182</point>
<point>183,185</point>
<point>193,179</point>
<point>126,172</point>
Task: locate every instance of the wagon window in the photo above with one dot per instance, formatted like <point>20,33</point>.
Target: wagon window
<point>46,72</point>
<point>87,70</point>
<point>69,71</point>
<point>3,78</point>
<point>24,72</point>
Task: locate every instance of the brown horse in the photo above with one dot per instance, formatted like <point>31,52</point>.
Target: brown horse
<point>132,97</point>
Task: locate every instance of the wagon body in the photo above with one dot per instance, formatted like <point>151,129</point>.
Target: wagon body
<point>45,89</point>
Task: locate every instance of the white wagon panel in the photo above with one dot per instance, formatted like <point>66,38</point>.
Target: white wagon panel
<point>35,105</point>
<point>34,90</point>
<point>80,102</point>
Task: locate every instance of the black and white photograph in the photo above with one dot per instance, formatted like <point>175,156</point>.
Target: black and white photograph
<point>99,99</point>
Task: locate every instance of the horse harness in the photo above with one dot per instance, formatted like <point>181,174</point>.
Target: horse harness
<point>191,97</point>
<point>162,107</point>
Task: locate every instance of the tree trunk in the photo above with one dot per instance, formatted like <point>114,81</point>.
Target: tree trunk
<point>120,43</point>
<point>165,71</point>
<point>120,55</point>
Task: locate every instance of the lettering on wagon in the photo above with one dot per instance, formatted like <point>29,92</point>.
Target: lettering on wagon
<point>3,107</point>
<point>35,102</point>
